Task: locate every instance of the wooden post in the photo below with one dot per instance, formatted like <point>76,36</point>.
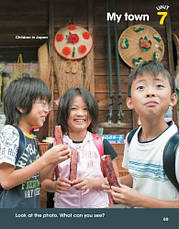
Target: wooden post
<point>169,43</point>
<point>90,56</point>
<point>51,34</point>
<point>170,56</point>
<point>43,193</point>
<point>176,41</point>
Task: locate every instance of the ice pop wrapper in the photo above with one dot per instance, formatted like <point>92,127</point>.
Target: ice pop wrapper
<point>109,171</point>
<point>58,140</point>
<point>73,165</point>
<point>58,135</point>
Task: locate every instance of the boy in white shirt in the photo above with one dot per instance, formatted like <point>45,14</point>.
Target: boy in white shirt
<point>151,91</point>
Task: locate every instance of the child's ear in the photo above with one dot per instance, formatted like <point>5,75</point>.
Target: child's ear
<point>129,103</point>
<point>21,110</point>
<point>174,99</point>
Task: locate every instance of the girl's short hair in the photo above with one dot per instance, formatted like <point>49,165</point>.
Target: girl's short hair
<point>153,67</point>
<point>65,105</point>
<point>22,93</point>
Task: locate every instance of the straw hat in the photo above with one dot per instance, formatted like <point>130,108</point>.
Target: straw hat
<point>73,42</point>
<point>140,43</point>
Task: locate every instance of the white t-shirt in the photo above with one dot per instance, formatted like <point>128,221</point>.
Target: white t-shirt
<point>9,143</point>
<point>144,160</point>
<point>27,194</point>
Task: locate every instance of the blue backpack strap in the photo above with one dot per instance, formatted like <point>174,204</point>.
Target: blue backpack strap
<point>98,141</point>
<point>169,155</point>
<point>22,143</point>
<point>130,135</point>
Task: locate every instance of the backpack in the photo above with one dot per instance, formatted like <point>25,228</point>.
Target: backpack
<point>98,141</point>
<point>169,155</point>
<point>22,143</point>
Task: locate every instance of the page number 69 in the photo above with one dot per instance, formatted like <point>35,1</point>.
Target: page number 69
<point>163,14</point>
<point>165,219</point>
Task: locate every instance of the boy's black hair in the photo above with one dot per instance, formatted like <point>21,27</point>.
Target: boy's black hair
<point>65,105</point>
<point>22,93</point>
<point>153,67</point>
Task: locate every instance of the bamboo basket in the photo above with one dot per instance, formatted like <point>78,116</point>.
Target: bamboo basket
<point>18,68</point>
<point>130,48</point>
<point>43,147</point>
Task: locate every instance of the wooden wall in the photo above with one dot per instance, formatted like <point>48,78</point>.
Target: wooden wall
<point>21,18</point>
<point>46,17</point>
<point>101,70</point>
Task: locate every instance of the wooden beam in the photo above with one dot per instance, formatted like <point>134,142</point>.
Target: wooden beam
<point>90,56</point>
<point>51,34</point>
<point>170,56</point>
<point>169,43</point>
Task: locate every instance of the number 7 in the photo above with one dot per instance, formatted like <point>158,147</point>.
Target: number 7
<point>164,14</point>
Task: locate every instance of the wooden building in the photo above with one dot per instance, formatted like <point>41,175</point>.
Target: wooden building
<point>27,25</point>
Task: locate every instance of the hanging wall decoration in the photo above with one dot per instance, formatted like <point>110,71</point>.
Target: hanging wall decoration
<point>44,63</point>
<point>140,43</point>
<point>19,68</point>
<point>73,42</point>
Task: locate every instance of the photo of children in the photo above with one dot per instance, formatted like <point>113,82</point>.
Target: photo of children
<point>93,70</point>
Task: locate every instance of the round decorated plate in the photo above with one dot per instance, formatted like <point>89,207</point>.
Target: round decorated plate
<point>73,42</point>
<point>140,43</point>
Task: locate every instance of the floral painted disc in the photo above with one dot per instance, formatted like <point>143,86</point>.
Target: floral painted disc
<point>140,43</point>
<point>73,42</point>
